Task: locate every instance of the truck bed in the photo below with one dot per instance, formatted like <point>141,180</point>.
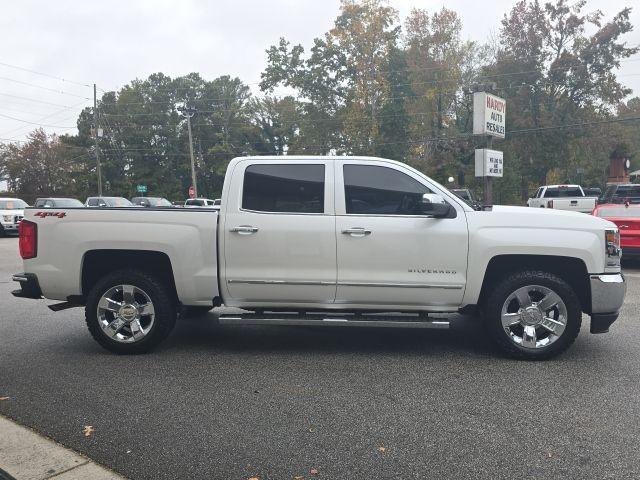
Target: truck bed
<point>68,239</point>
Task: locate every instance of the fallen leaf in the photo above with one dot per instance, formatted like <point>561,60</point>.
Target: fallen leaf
<point>2,399</point>
<point>253,478</point>
<point>312,430</point>
<point>549,454</point>
<point>88,430</point>
<point>313,471</point>
<point>298,477</point>
<point>382,449</point>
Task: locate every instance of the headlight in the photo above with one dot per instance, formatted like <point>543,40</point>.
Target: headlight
<point>7,218</point>
<point>612,246</point>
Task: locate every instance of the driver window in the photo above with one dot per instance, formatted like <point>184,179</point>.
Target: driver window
<point>374,190</point>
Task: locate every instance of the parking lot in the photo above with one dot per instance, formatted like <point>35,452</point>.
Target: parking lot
<point>298,402</point>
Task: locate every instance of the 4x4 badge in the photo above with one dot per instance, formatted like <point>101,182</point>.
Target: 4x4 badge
<point>51,214</point>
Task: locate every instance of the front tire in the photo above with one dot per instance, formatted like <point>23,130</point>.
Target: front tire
<point>533,315</point>
<point>130,311</point>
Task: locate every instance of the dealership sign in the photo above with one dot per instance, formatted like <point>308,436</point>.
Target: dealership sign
<point>489,163</point>
<point>489,114</point>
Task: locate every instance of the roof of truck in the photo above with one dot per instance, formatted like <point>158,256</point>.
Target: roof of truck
<point>564,185</point>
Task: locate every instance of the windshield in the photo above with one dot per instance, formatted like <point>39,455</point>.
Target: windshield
<point>117,202</point>
<point>15,204</point>
<point>159,202</point>
<point>618,212</point>
<point>67,202</point>
<point>628,191</point>
<point>559,192</point>
<point>196,203</point>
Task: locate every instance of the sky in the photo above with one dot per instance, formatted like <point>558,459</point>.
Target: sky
<point>111,43</point>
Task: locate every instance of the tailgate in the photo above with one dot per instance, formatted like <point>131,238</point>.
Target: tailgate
<point>578,204</point>
<point>629,231</point>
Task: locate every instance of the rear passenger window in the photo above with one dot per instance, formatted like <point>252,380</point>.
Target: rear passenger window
<point>373,190</point>
<point>284,188</point>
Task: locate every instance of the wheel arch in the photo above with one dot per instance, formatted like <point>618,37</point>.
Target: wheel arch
<point>98,263</point>
<point>571,270</point>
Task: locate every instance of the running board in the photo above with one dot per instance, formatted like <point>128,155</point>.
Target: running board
<point>337,320</point>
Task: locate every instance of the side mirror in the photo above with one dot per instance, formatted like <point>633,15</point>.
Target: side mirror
<point>434,205</point>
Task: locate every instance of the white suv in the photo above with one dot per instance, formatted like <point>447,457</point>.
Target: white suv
<point>11,212</point>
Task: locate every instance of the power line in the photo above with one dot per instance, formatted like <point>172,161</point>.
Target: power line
<point>33,100</point>
<point>44,118</point>
<point>459,86</point>
<point>460,136</point>
<point>35,123</point>
<point>43,88</point>
<point>48,75</point>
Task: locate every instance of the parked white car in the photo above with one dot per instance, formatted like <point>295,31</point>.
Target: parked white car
<point>199,202</point>
<point>563,197</point>
<point>341,241</point>
<point>11,213</point>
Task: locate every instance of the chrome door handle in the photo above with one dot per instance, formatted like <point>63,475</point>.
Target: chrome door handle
<point>357,232</point>
<point>245,229</point>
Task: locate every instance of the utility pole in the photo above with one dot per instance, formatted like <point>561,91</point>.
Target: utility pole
<point>190,112</point>
<point>488,181</point>
<point>95,136</point>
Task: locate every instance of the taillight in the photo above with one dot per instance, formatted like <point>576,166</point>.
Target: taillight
<point>28,242</point>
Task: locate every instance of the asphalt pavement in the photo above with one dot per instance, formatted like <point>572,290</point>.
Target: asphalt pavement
<point>228,402</point>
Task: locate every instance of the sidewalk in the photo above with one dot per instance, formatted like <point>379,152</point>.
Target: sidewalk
<point>25,455</point>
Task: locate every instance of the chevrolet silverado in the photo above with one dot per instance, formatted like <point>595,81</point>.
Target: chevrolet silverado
<point>342,241</point>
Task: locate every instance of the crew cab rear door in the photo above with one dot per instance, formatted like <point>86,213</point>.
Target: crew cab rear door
<point>279,232</point>
<point>387,254</point>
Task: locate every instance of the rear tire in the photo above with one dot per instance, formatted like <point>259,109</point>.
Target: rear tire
<point>533,315</point>
<point>130,311</point>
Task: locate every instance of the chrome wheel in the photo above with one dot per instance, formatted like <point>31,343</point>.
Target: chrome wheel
<point>126,313</point>
<point>534,316</point>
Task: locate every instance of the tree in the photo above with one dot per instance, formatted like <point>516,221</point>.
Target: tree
<point>344,80</point>
<point>43,166</point>
<point>553,72</point>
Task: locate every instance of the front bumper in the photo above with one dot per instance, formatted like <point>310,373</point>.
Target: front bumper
<point>29,286</point>
<point>607,297</point>
<point>10,227</point>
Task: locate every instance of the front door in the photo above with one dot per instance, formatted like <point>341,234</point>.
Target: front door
<point>279,233</point>
<point>388,253</point>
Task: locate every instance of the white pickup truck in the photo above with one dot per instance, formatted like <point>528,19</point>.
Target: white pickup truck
<point>348,241</point>
<point>11,212</point>
<point>563,197</point>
